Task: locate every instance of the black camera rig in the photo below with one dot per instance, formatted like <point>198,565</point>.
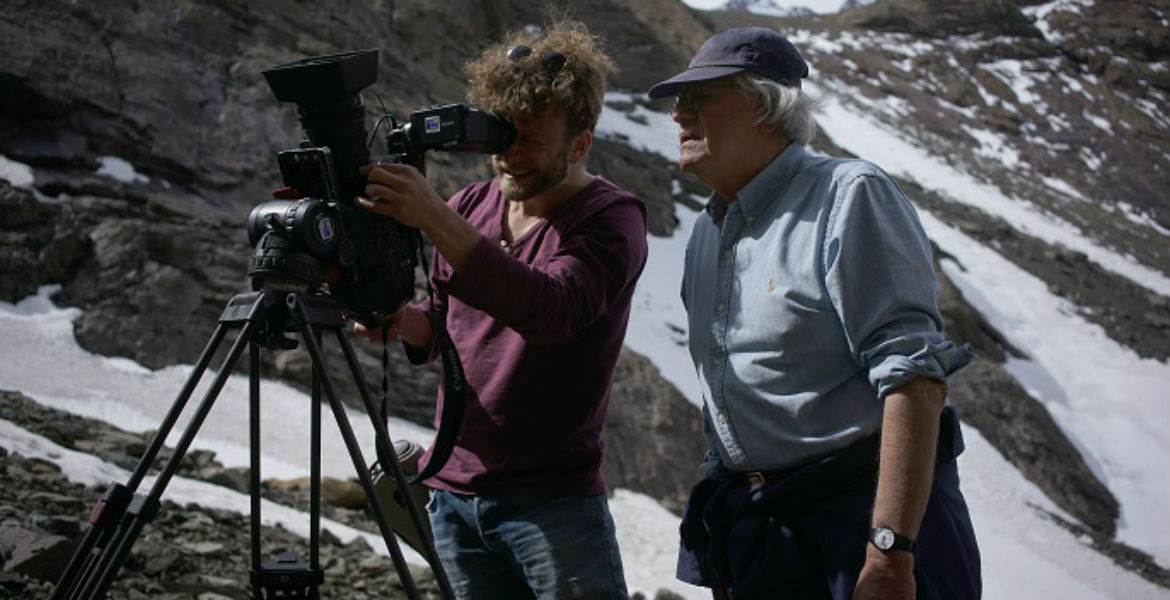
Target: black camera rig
<point>313,233</point>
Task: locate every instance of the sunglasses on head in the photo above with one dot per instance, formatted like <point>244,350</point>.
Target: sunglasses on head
<point>552,61</point>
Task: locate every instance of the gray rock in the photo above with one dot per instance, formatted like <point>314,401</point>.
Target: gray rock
<point>198,583</point>
<point>161,559</point>
<point>204,548</point>
<point>34,553</point>
<point>235,478</point>
<point>653,435</point>
<point>68,525</point>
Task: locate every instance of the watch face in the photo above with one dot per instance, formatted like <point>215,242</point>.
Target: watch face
<point>883,538</point>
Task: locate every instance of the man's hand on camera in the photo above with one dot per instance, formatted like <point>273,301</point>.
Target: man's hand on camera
<point>400,191</point>
<point>409,323</point>
<point>374,334</point>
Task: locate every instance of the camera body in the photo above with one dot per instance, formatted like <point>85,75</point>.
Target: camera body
<point>313,234</point>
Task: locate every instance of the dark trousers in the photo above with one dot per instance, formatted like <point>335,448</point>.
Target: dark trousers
<point>803,533</point>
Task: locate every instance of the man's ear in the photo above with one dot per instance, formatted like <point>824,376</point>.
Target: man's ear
<point>768,128</point>
<point>580,146</point>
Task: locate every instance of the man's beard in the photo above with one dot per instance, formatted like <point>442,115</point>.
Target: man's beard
<point>544,179</point>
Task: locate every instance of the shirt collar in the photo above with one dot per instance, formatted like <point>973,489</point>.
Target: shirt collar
<point>764,188</point>
<point>769,184</point>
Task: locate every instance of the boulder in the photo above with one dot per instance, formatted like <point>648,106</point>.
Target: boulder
<point>34,553</point>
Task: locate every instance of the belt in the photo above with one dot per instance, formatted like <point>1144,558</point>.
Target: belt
<point>863,452</point>
<point>758,478</point>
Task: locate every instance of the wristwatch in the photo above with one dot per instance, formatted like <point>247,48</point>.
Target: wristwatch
<point>887,540</point>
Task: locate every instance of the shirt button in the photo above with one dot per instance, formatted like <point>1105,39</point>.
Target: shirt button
<point>750,219</point>
<point>727,254</point>
<point>721,308</point>
<point>503,243</point>
<point>717,361</point>
<point>722,419</point>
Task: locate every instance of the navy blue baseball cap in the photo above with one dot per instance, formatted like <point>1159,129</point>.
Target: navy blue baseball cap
<point>756,49</point>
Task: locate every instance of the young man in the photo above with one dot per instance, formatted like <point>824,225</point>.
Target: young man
<point>534,273</point>
<point>815,332</point>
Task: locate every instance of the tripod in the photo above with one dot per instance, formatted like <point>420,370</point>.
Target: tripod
<point>263,318</point>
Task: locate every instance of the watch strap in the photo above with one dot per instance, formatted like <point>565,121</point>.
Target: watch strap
<point>901,543</point>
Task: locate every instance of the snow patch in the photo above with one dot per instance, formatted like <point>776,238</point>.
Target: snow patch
<point>120,170</point>
<point>640,128</point>
<point>17,173</point>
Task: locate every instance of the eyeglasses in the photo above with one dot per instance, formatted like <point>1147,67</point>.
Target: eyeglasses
<point>694,96</point>
<point>552,61</point>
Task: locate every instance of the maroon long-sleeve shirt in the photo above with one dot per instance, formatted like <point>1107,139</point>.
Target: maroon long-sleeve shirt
<point>538,324</point>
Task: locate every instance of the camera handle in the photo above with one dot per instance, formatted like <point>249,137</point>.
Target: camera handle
<point>121,514</point>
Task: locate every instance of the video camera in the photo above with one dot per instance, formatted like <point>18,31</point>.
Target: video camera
<point>313,233</point>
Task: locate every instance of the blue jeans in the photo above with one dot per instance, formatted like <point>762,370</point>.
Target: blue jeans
<point>509,548</point>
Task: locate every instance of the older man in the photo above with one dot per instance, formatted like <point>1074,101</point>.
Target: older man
<point>816,335</point>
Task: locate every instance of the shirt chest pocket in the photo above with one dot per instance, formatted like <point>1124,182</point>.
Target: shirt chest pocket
<point>779,304</point>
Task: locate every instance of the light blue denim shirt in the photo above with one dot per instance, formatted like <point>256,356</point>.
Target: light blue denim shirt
<point>808,300</point>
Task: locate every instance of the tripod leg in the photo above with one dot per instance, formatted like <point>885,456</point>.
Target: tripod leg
<point>143,509</point>
<point>109,509</point>
<point>315,473</point>
<point>104,516</point>
<point>254,459</point>
<point>297,310</point>
<point>382,434</point>
<point>177,407</point>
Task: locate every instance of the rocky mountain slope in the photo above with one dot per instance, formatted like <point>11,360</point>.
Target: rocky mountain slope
<point>1076,89</point>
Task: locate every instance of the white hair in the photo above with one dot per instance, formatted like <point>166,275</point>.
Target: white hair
<point>786,107</point>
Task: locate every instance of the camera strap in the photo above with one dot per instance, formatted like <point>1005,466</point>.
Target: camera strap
<point>454,397</point>
<point>454,381</point>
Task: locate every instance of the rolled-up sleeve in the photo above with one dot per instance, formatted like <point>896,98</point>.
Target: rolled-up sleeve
<point>880,277</point>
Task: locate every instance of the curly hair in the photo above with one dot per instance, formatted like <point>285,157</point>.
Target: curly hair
<point>523,87</point>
